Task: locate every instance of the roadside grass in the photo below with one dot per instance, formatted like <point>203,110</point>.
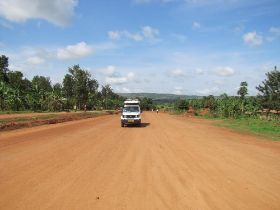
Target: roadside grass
<point>260,127</point>
<point>22,119</point>
<point>176,112</point>
<point>252,125</point>
<point>19,112</point>
<point>52,118</point>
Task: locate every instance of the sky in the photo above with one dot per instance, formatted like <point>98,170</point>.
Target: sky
<point>192,47</point>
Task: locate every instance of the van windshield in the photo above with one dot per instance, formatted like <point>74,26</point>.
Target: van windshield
<point>131,109</point>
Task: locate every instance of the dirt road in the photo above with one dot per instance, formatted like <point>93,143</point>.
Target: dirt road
<point>169,163</point>
<point>20,115</point>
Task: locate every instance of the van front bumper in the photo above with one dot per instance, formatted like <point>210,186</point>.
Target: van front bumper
<point>131,121</point>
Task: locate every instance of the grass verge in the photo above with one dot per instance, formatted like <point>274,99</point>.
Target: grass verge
<point>22,122</point>
<point>264,128</point>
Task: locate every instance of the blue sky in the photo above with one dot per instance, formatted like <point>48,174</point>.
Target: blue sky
<point>194,47</point>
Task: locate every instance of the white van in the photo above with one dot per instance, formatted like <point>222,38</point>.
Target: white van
<point>131,113</point>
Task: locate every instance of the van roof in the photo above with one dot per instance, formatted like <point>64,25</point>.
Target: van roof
<point>132,102</point>
<point>131,105</point>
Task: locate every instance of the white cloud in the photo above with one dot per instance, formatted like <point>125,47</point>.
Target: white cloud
<point>147,32</point>
<point>113,77</point>
<point>265,67</point>
<point>177,73</point>
<point>224,71</point>
<point>58,12</point>
<point>117,35</point>
<point>104,46</point>
<point>35,60</point>
<point>109,71</point>
<point>253,39</point>
<point>74,51</point>
<point>219,82</point>
<point>30,55</point>
<point>196,25</point>
<point>14,67</point>
<point>116,80</point>
<point>179,37</point>
<point>122,89</point>
<point>275,30</point>
<point>130,76</point>
<point>126,90</point>
<point>199,71</point>
<point>114,35</point>
<point>178,90</point>
<point>134,36</point>
<point>208,91</point>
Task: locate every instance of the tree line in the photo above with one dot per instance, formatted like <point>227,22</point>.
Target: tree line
<point>78,89</point>
<point>267,101</point>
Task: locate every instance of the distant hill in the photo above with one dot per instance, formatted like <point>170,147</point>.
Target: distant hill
<point>159,97</point>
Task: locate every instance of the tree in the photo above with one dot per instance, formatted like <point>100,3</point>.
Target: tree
<point>270,90</point>
<point>93,86</point>
<point>57,89</point>
<point>147,104</point>
<point>42,83</point>
<point>209,102</point>
<point>107,94</point>
<point>181,104</point>
<point>41,87</point>
<point>4,64</point>
<point>18,93</point>
<point>55,98</point>
<point>79,88</point>
<point>68,90</point>
<point>243,91</point>
<point>4,89</point>
<point>93,93</point>
<point>17,81</point>
<point>81,80</point>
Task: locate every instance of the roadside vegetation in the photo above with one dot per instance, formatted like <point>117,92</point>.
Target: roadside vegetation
<point>257,114</point>
<point>78,89</point>
<point>11,123</point>
<point>265,128</point>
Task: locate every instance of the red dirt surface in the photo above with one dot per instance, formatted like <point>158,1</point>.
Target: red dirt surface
<point>169,163</point>
<point>7,116</point>
<point>12,121</point>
